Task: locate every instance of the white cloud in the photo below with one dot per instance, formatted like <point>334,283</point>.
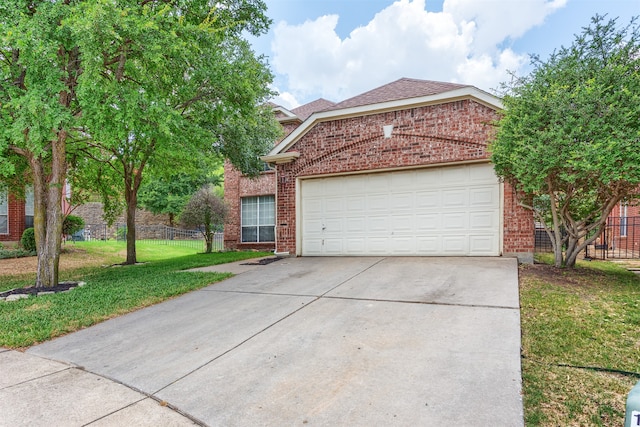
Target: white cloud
<point>497,20</point>
<point>460,44</point>
<point>286,100</point>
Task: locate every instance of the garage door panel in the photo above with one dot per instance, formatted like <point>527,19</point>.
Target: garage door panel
<point>481,175</point>
<point>355,225</point>
<point>428,222</point>
<point>356,184</point>
<point>403,245</point>
<point>313,246</point>
<point>402,223</point>
<point>356,204</point>
<point>428,245</point>
<point>313,207</point>
<point>455,198</point>
<point>334,205</point>
<point>377,245</point>
<point>313,226</point>
<point>402,181</point>
<point>428,199</point>
<point>333,225</point>
<point>356,245</point>
<point>436,211</point>
<point>454,175</point>
<point>333,246</point>
<point>379,182</point>
<point>378,224</point>
<point>486,220</point>
<point>454,245</point>
<point>455,221</point>
<point>402,201</point>
<point>483,196</point>
<point>378,202</point>
<point>482,244</point>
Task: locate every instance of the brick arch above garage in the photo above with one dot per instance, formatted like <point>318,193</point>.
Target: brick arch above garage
<point>451,132</point>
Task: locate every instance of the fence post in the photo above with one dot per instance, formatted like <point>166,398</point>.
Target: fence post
<point>632,417</point>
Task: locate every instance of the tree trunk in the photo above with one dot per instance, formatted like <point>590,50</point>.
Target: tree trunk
<point>209,241</point>
<point>48,213</point>
<point>39,214</point>
<point>131,198</point>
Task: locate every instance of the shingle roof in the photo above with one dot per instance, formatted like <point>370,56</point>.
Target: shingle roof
<point>304,111</point>
<point>400,89</point>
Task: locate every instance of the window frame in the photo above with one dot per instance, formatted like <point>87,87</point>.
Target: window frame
<point>29,206</point>
<point>260,202</point>
<point>4,209</point>
<point>624,220</point>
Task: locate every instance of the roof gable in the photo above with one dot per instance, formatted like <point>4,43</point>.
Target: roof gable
<point>401,94</point>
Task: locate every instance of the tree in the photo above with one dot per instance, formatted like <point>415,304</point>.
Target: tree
<point>170,82</point>
<point>569,135</point>
<point>39,71</point>
<point>168,194</point>
<point>207,212</point>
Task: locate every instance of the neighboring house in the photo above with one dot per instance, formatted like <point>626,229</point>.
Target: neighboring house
<point>400,170</point>
<point>623,230</point>
<point>16,214</point>
<point>251,201</point>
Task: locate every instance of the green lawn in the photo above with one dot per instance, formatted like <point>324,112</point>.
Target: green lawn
<point>581,343</point>
<point>110,291</point>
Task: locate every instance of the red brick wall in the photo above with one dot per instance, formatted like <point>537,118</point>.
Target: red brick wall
<point>451,132</point>
<point>16,220</point>
<point>236,186</point>
<point>518,227</point>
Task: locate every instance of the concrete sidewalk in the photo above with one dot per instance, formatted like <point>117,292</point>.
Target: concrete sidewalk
<point>35,391</point>
<point>324,341</point>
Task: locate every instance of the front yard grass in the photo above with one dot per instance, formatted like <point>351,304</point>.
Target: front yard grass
<point>580,343</point>
<point>110,291</point>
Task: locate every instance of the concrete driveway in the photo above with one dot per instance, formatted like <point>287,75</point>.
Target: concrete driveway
<point>325,341</point>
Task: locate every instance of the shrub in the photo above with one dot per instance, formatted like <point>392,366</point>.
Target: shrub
<point>72,224</point>
<point>15,253</point>
<point>28,240</point>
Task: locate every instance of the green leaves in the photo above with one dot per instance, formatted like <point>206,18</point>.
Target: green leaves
<point>570,130</point>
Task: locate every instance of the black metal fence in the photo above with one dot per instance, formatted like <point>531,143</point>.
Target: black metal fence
<point>542,239</point>
<point>160,234</point>
<point>620,239</point>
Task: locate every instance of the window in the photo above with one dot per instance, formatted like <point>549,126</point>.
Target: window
<point>28,207</point>
<point>4,212</point>
<point>623,220</point>
<point>258,219</point>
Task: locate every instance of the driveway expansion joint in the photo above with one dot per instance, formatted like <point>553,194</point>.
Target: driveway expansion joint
<point>68,368</point>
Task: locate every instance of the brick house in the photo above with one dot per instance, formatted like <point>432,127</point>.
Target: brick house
<point>16,214</point>
<point>622,233</point>
<point>400,170</point>
<point>13,216</point>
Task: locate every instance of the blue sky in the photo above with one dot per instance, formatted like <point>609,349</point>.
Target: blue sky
<point>335,49</point>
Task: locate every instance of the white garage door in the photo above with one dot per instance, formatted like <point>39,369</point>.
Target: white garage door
<point>436,211</point>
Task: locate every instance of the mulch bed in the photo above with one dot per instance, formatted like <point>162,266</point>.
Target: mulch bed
<point>263,261</point>
<point>32,290</point>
